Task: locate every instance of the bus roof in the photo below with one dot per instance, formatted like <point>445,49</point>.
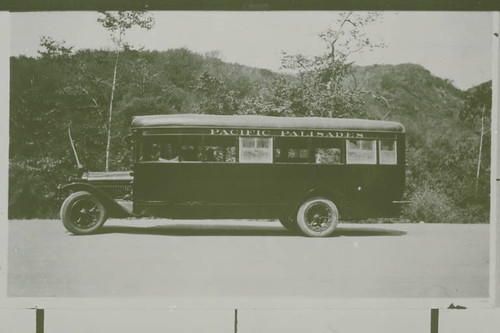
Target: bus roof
<point>263,122</point>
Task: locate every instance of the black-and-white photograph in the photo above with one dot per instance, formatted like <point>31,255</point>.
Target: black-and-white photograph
<point>285,155</point>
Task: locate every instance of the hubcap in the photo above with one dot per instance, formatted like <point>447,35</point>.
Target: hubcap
<point>318,216</point>
<point>85,213</point>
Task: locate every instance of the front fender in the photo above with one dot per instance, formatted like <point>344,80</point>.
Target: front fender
<point>114,209</point>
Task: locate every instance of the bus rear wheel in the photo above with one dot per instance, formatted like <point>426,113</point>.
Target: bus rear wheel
<point>317,217</point>
<point>82,213</point>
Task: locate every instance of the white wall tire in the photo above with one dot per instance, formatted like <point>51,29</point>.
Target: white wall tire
<point>317,217</point>
<point>82,213</point>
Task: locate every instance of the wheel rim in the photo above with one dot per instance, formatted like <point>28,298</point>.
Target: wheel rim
<point>85,213</point>
<point>319,216</point>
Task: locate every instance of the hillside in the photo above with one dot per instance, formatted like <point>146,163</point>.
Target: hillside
<point>49,93</point>
<point>442,148</point>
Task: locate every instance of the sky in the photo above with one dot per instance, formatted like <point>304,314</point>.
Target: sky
<point>452,45</point>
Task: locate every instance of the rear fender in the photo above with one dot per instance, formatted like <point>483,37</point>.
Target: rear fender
<point>114,209</point>
<point>318,192</point>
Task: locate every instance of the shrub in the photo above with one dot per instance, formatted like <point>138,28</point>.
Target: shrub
<point>432,206</point>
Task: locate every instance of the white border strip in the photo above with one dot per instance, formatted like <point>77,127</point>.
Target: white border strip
<point>4,146</point>
<point>246,303</point>
<point>494,233</point>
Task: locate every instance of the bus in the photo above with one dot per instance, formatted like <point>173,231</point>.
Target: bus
<point>306,172</point>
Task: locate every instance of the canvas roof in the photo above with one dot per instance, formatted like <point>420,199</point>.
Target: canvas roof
<point>263,122</point>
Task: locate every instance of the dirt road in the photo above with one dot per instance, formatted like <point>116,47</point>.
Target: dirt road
<point>167,258</point>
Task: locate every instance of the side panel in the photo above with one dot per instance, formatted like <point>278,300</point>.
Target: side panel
<point>225,190</point>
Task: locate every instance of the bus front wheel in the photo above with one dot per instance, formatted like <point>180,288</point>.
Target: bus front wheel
<point>82,213</point>
<point>317,217</point>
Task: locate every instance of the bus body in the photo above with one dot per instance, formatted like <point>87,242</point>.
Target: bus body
<point>290,168</point>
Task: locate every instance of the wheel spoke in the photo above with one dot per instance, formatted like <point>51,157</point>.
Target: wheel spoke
<point>85,213</point>
<point>318,217</point>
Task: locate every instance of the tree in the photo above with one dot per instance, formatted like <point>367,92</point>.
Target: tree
<point>53,49</point>
<point>216,98</point>
<point>478,105</point>
<point>326,84</point>
<point>117,24</point>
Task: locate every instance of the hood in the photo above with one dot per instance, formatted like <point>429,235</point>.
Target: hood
<point>108,176</point>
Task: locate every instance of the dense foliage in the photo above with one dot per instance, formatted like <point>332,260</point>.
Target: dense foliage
<point>57,89</point>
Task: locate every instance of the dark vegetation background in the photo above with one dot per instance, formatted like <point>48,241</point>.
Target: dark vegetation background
<point>443,123</point>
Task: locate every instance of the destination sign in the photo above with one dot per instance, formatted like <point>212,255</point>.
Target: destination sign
<point>286,133</point>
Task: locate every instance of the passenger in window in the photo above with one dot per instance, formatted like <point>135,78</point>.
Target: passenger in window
<point>230,154</point>
<point>175,159</point>
<point>210,155</point>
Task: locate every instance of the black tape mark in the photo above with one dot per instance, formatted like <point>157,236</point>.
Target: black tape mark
<point>40,318</point>
<point>235,320</point>
<point>434,320</point>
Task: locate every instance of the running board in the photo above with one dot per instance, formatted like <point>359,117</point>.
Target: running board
<point>127,205</point>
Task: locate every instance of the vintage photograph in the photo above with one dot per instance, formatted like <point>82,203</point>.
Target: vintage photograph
<point>286,155</point>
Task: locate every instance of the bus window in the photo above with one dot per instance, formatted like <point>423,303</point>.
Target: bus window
<point>327,151</point>
<point>256,150</point>
<point>190,149</point>
<point>291,150</point>
<point>387,151</point>
<point>219,149</point>
<point>298,154</point>
<point>361,152</point>
<point>160,149</point>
